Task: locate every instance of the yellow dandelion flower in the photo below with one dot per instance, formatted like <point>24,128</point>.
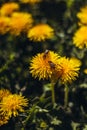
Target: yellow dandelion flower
<point>82,15</point>
<point>20,22</point>
<point>80,37</point>
<point>69,69</point>
<point>9,8</point>
<point>41,65</point>
<point>30,1</point>
<point>3,119</point>
<point>4,93</point>
<point>4,25</point>
<point>13,104</point>
<point>40,32</point>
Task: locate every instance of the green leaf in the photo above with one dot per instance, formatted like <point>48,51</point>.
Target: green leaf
<point>56,121</point>
<point>74,125</point>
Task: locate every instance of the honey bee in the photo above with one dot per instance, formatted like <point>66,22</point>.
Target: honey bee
<point>52,65</point>
<point>45,54</point>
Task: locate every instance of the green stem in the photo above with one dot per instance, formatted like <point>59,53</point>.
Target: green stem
<point>66,96</point>
<point>53,93</point>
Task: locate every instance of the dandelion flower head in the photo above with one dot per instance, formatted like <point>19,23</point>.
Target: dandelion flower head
<point>40,64</point>
<point>8,8</point>
<point>20,22</point>
<point>13,104</point>
<point>4,24</point>
<point>40,32</point>
<point>4,93</point>
<point>80,37</point>
<point>30,1</point>
<point>82,15</point>
<point>69,69</point>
